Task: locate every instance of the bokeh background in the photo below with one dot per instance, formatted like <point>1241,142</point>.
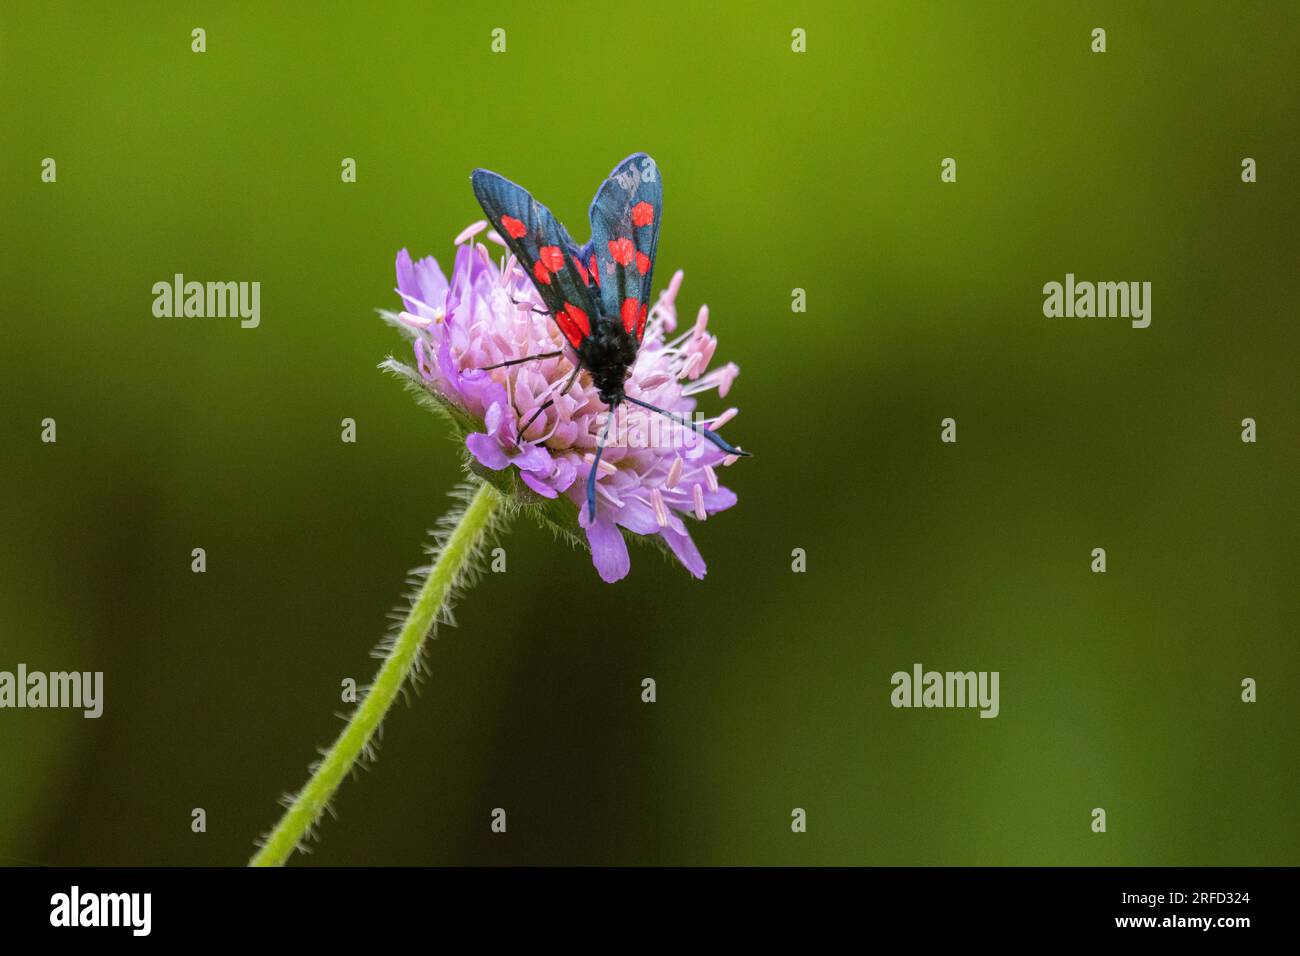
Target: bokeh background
<point>818,171</point>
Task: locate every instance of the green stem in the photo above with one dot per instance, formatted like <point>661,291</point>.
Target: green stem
<point>453,560</point>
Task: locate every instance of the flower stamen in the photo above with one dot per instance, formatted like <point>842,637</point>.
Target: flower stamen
<point>674,473</point>
<point>661,510</point>
<point>470,231</point>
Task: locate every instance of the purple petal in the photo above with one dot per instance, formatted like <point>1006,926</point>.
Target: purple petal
<point>478,386</point>
<point>637,516</point>
<point>566,434</point>
<point>486,450</point>
<point>460,276</point>
<point>432,283</point>
<point>720,500</point>
<point>608,550</point>
<point>406,285</point>
<point>447,366</point>
<point>565,474</point>
<point>422,359</point>
<point>421,284</point>
<point>534,458</point>
<point>686,552</point>
<point>539,486</point>
<point>682,497</point>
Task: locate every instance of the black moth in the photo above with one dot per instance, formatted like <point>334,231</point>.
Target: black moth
<point>598,295</point>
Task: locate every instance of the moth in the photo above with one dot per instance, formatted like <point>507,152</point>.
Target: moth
<point>597,294</point>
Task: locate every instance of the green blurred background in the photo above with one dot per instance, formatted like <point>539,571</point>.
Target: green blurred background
<point>818,171</point>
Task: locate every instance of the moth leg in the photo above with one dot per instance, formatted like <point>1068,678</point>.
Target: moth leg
<point>518,361</point>
<point>548,403</point>
<point>595,465</point>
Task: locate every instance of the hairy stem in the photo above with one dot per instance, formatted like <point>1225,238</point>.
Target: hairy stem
<point>462,539</point>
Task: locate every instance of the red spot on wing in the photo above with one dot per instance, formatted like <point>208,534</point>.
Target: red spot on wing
<point>569,328</point>
<point>629,314</point>
<point>643,214</point>
<point>642,263</point>
<point>579,318</point>
<point>640,322</point>
<point>539,270</point>
<point>551,257</point>
<point>622,250</point>
<point>514,228</point>
<point>582,271</point>
<point>595,270</point>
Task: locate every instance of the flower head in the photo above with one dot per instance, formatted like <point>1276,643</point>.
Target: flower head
<point>521,417</point>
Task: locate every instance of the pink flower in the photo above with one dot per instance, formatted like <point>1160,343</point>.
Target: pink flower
<point>653,474</point>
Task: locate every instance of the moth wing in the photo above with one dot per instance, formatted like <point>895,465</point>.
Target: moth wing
<point>620,258</point>
<point>544,249</point>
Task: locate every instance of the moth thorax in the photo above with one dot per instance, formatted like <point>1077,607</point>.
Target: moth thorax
<point>608,379</point>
